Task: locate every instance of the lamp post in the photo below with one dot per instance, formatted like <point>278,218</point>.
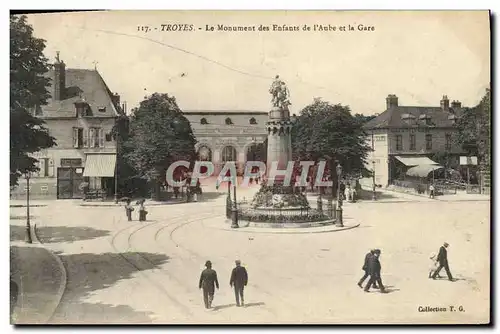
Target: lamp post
<point>116,166</point>
<point>374,195</point>
<point>339,204</point>
<point>234,210</point>
<point>28,225</point>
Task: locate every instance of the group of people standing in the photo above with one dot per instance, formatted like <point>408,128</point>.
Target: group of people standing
<point>142,210</point>
<point>373,268</point>
<point>208,283</point>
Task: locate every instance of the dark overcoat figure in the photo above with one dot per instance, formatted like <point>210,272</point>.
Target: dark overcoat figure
<point>374,269</point>
<point>238,280</point>
<point>443,262</point>
<point>365,268</point>
<point>208,282</point>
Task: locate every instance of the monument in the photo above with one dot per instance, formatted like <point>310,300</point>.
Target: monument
<point>274,193</point>
<point>279,126</point>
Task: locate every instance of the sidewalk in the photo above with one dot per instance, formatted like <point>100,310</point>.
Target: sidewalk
<point>40,278</point>
<point>21,203</point>
<point>458,197</point>
<point>121,203</point>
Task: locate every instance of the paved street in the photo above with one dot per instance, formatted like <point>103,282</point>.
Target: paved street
<point>134,272</point>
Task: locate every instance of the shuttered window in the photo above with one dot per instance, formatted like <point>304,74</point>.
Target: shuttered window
<point>101,137</point>
<point>92,137</point>
<point>75,137</point>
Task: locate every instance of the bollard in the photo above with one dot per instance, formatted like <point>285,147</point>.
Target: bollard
<point>339,217</point>
<point>234,218</point>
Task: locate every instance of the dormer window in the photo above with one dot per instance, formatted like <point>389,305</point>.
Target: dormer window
<point>253,120</point>
<point>452,119</point>
<point>203,121</point>
<point>408,118</point>
<point>229,121</point>
<point>426,119</point>
<point>82,109</point>
<point>102,109</point>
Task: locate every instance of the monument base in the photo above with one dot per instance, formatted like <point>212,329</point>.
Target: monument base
<point>281,196</point>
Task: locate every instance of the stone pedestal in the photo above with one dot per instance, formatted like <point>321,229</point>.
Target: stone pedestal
<point>279,142</point>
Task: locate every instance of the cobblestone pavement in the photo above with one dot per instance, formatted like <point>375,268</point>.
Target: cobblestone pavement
<point>134,272</point>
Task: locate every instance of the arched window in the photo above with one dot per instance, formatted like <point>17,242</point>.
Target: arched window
<point>229,121</point>
<point>204,154</point>
<point>228,154</point>
<point>253,120</point>
<point>204,121</point>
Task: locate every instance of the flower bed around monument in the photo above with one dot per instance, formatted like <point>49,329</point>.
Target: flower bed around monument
<point>279,197</point>
<point>281,215</point>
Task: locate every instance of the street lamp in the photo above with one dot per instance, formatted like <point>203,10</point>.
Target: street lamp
<point>234,209</point>
<point>339,204</point>
<point>374,195</point>
<point>28,225</point>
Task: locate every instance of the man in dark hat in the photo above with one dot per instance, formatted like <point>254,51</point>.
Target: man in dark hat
<point>443,262</point>
<point>374,268</point>
<point>365,268</point>
<point>239,279</point>
<point>208,279</point>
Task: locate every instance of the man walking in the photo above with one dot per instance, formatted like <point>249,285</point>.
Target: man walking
<point>443,262</point>
<point>208,279</point>
<point>239,279</point>
<point>374,269</point>
<point>366,269</point>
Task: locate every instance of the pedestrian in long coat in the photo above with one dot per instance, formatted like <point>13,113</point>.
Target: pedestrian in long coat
<point>238,280</point>
<point>208,282</point>
<point>365,268</point>
<point>443,262</point>
<point>374,268</point>
<point>128,210</point>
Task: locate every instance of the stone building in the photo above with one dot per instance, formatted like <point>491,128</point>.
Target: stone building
<point>80,115</point>
<point>403,137</point>
<point>225,135</point>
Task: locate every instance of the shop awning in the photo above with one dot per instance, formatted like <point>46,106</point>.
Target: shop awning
<point>422,170</point>
<point>100,165</point>
<point>415,160</point>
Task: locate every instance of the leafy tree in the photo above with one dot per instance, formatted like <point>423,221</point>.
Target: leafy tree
<point>328,132</point>
<point>159,136</point>
<point>363,119</point>
<point>474,130</point>
<point>28,91</point>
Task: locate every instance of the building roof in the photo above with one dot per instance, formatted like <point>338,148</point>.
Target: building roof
<point>82,85</point>
<point>394,117</point>
<point>225,112</point>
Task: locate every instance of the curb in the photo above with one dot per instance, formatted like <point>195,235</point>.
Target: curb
<point>31,206</point>
<point>284,230</point>
<point>64,275</point>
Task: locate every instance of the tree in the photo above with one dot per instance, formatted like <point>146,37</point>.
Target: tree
<point>28,91</point>
<point>329,132</point>
<point>474,130</point>
<point>363,119</point>
<point>159,136</point>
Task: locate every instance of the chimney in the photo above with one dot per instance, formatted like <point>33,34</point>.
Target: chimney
<point>124,107</point>
<point>59,82</point>
<point>392,101</point>
<point>456,105</point>
<point>116,99</point>
<point>445,103</point>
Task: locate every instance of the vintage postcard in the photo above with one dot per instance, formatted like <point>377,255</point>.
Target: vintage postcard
<point>250,167</point>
